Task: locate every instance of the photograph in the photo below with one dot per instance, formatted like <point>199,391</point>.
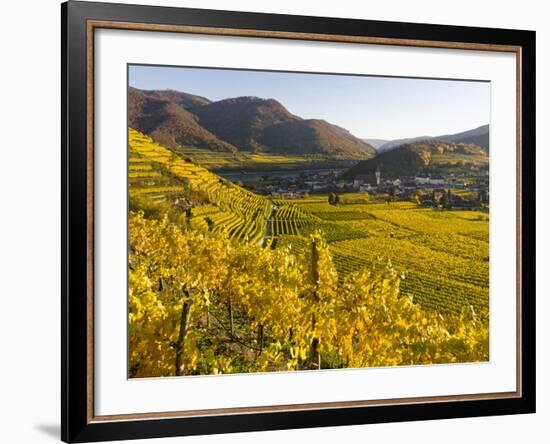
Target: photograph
<point>275,220</point>
<point>291,221</point>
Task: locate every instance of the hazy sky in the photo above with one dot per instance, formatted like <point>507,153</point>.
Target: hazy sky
<point>369,107</point>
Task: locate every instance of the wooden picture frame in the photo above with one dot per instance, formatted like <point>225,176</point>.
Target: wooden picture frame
<point>79,22</point>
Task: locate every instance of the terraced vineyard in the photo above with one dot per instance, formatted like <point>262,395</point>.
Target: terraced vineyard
<point>287,219</point>
<point>442,255</point>
<point>158,174</point>
<point>146,176</point>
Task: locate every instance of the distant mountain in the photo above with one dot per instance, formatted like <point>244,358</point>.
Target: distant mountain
<point>238,124</point>
<point>376,143</point>
<point>398,142</point>
<point>477,136</point>
<point>412,158</point>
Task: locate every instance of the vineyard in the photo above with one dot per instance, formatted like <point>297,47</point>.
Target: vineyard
<point>223,280</point>
<point>157,174</point>
<point>289,220</point>
<point>202,304</point>
<point>443,256</point>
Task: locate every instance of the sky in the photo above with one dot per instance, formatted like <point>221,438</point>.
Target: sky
<point>369,107</point>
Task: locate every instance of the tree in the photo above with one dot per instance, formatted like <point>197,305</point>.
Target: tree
<point>449,199</point>
<point>446,199</point>
<point>443,199</point>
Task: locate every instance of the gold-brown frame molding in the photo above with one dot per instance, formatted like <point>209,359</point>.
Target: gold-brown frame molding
<point>92,25</point>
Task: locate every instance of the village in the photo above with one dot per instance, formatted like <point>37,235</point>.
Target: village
<point>464,188</point>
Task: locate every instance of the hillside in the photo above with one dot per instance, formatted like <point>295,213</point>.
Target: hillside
<point>412,158</point>
<point>183,99</point>
<point>376,143</point>
<point>477,136</point>
<point>248,124</point>
<point>314,137</point>
<point>243,120</point>
<point>156,177</point>
<point>164,116</point>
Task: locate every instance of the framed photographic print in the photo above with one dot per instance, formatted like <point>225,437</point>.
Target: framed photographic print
<point>275,221</point>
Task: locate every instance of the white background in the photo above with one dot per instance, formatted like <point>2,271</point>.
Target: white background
<point>29,235</point>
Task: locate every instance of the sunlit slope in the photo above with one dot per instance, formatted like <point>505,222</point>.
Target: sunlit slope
<point>157,174</point>
<point>443,256</point>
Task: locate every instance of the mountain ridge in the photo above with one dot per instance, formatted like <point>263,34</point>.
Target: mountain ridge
<point>165,119</point>
<point>376,143</point>
<point>478,136</point>
<point>245,123</point>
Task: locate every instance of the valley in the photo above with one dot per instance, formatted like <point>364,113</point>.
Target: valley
<point>442,255</point>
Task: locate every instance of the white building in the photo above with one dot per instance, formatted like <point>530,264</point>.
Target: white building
<point>437,180</point>
<point>366,187</point>
<point>427,180</point>
<point>420,180</point>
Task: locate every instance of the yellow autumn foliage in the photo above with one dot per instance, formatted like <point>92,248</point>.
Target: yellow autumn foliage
<point>229,307</point>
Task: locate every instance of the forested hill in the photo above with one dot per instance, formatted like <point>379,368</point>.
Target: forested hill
<point>478,136</point>
<point>412,158</point>
<point>238,124</point>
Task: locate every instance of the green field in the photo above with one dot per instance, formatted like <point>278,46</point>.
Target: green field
<point>443,256</point>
